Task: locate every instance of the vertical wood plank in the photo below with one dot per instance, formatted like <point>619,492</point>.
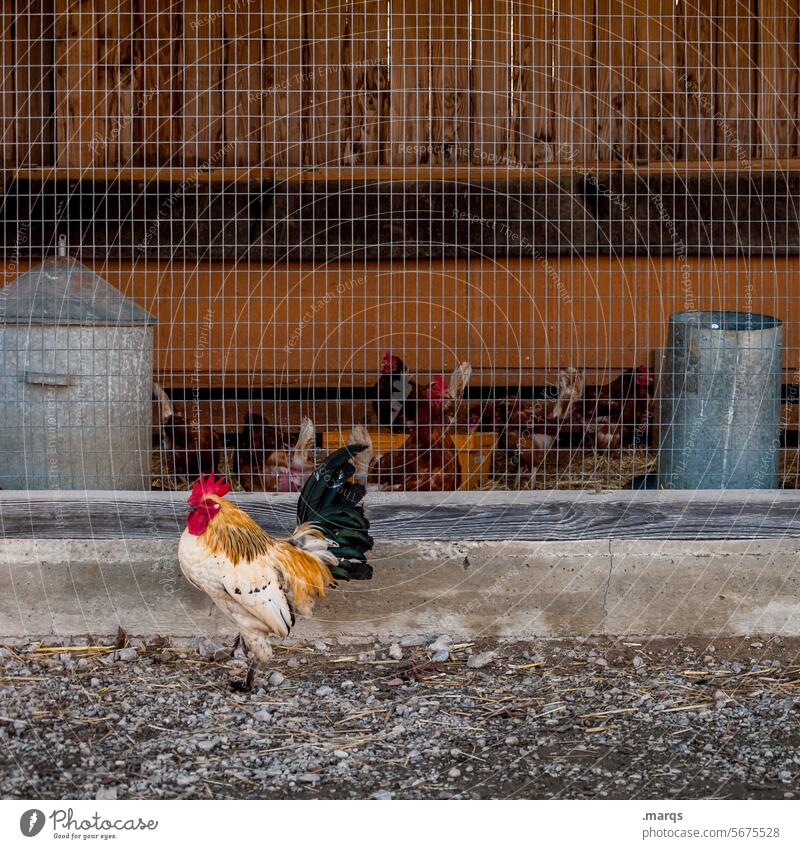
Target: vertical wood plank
<point>532,94</point>
<point>117,81</point>
<point>367,80</point>
<point>7,130</point>
<point>450,81</point>
<point>657,61</point>
<point>32,84</point>
<point>492,121</point>
<point>778,77</point>
<point>201,101</point>
<point>409,125</point>
<point>325,26</point>
<point>283,83</point>
<point>696,26</point>
<point>161,62</point>
<point>735,80</point>
<point>242,86</point>
<point>574,81</point>
<point>616,80</point>
<point>80,129</point>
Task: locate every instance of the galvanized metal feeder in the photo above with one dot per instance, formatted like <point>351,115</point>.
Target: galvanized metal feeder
<point>721,402</point>
<point>76,382</point>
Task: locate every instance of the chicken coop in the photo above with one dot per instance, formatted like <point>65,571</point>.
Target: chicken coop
<point>453,229</point>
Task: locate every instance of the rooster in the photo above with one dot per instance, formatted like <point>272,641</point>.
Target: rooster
<point>259,582</point>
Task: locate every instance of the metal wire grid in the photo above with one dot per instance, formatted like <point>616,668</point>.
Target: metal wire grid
<point>295,188</point>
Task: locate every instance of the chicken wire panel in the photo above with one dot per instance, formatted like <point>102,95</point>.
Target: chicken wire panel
<point>460,227</point>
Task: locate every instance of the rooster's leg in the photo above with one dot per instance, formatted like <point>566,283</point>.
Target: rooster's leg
<point>246,686</point>
<point>236,643</point>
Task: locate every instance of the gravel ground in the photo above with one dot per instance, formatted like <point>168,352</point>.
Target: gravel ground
<point>422,718</point>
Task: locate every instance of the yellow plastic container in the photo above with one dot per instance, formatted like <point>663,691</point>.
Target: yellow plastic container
<point>474,451</point>
<point>474,457</point>
<point>382,440</point>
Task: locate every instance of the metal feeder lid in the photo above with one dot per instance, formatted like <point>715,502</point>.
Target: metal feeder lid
<point>61,291</point>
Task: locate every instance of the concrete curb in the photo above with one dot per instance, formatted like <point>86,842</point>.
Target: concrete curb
<point>516,590</point>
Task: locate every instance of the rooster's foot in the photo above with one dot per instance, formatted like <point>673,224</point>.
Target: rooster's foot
<point>246,686</point>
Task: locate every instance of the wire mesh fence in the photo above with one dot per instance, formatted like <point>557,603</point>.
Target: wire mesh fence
<point>458,227</point>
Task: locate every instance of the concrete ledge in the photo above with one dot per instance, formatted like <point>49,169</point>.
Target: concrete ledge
<point>73,587</point>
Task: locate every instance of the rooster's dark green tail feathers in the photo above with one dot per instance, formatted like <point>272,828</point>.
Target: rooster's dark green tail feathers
<point>330,500</point>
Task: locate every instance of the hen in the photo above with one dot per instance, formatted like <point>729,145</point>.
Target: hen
<point>261,583</point>
<point>394,393</point>
<point>617,414</point>
<point>428,462</point>
<point>193,448</point>
<point>268,463</point>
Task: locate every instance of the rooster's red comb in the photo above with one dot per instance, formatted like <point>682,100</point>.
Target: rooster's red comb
<point>208,486</point>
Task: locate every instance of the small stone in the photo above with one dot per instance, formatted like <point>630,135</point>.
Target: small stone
<point>340,754</point>
<point>600,661</point>
<point>756,645</point>
<point>638,662</point>
<point>94,683</point>
<point>293,663</point>
<point>441,656</point>
<point>263,715</point>
<point>478,661</point>
<point>308,778</point>
<point>455,772</point>
<point>382,794</point>
<point>443,643</point>
<point>395,652</point>
<point>126,655</point>
<point>784,775</point>
<point>736,667</point>
<point>323,691</point>
<point>208,648</point>
<point>320,645</point>
<point>276,679</point>
<point>106,793</point>
<point>412,640</point>
<point>513,740</point>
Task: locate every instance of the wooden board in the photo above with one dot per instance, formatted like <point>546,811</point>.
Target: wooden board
<point>735,102</point>
<point>450,81</point>
<point>7,129</point>
<point>326,99</point>
<point>481,516</point>
<point>695,91</point>
<point>778,77</point>
<point>492,128</point>
<point>32,83</point>
<point>201,98</point>
<point>409,123</point>
<point>242,85</point>
<point>532,95</point>
<point>161,79</point>
<point>616,81</point>
<point>119,81</point>
<point>574,81</point>
<point>329,325</point>
<point>366,73</point>
<point>658,71</point>
<point>283,84</point>
<point>80,128</point>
